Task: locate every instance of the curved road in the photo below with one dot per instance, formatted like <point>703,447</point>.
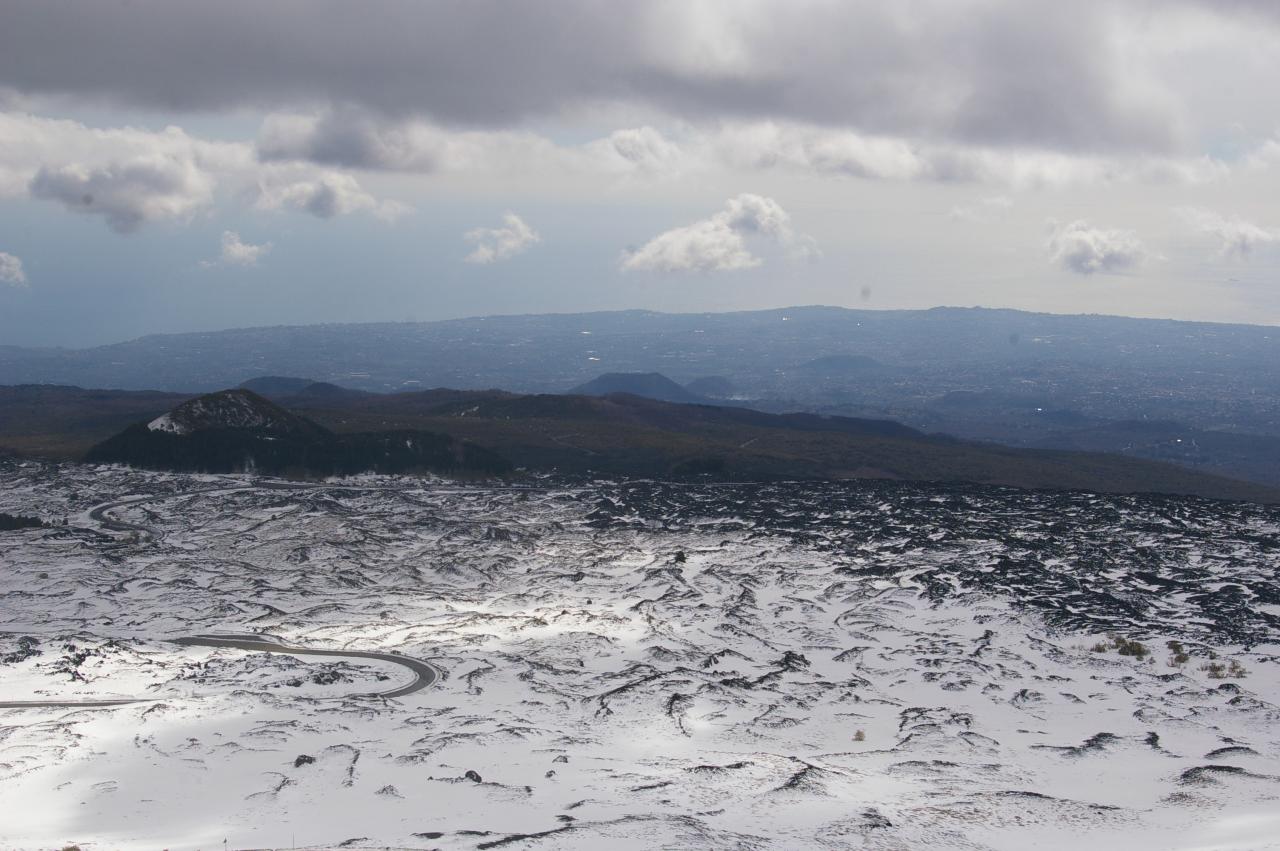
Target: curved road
<point>424,673</point>
<point>98,514</point>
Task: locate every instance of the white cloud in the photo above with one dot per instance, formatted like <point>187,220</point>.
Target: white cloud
<point>494,244</point>
<point>322,193</point>
<point>11,271</point>
<point>814,149</point>
<point>642,151</point>
<point>1085,250</point>
<point>30,144</point>
<point>127,194</point>
<point>236,252</point>
<point>131,177</point>
<point>352,138</point>
<point>718,244</point>
<point>767,144</point>
<point>1236,237</point>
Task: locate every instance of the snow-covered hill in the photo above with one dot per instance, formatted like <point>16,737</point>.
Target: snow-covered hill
<point>237,408</point>
<point>636,665</point>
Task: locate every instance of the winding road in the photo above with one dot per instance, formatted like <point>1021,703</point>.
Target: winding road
<point>424,673</point>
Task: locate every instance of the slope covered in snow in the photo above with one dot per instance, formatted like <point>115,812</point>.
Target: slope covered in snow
<point>238,408</point>
<point>636,665</point>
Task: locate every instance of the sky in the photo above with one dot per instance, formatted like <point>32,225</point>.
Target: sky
<point>170,165</point>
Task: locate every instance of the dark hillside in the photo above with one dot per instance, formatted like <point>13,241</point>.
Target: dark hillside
<point>238,430</point>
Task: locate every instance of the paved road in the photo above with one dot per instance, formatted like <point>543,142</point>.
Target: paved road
<point>99,515</point>
<point>424,674</point>
<point>71,704</point>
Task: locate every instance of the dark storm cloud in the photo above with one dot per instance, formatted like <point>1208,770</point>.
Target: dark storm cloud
<point>1024,72</point>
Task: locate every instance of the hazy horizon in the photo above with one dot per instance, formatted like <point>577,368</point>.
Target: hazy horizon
<point>766,309</point>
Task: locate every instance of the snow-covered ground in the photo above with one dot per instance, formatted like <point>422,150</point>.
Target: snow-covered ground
<point>635,665</point>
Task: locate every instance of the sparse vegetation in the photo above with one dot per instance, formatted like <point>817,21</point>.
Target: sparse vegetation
<point>1123,646</point>
<point>1178,654</point>
<point>1218,671</point>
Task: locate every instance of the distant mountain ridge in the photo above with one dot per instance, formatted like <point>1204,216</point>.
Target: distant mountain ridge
<point>1004,376</point>
<point>284,386</point>
<point>650,385</point>
<point>548,353</point>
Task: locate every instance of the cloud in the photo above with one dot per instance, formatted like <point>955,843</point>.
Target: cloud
<point>236,252</point>
<point>11,271</point>
<point>127,176</point>
<point>718,244</point>
<point>324,194</point>
<point>354,138</point>
<point>1237,238</point>
<point>30,144</point>
<point>349,137</point>
<point>847,153</point>
<point>1085,250</point>
<point>1030,73</point>
<point>127,194</point>
<point>494,244</point>
<point>131,177</point>
<point>642,151</point>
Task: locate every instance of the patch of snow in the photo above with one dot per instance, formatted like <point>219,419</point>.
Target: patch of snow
<point>165,422</point>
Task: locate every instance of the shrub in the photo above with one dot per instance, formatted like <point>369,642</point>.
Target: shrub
<point>1128,647</point>
<point>860,736</point>
<point>1123,646</point>
<point>1178,654</point>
